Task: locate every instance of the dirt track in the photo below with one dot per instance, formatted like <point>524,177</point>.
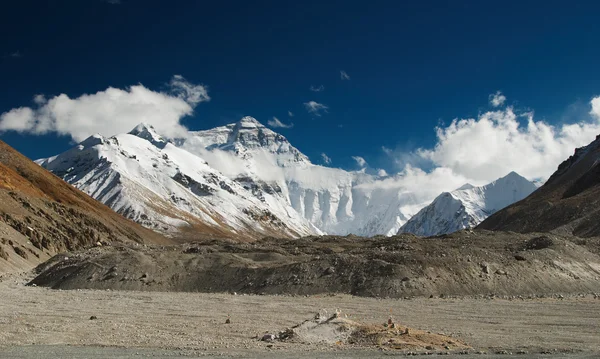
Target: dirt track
<point>196,322</point>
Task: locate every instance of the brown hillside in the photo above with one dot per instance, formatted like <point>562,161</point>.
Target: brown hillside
<point>41,215</point>
<point>569,202</point>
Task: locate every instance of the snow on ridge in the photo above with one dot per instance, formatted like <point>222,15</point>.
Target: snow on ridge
<point>245,176</point>
<point>467,207</point>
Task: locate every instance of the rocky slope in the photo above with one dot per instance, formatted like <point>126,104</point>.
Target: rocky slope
<point>468,206</point>
<point>41,215</point>
<point>569,202</point>
<point>463,263</point>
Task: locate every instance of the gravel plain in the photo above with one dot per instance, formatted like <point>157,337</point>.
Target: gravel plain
<point>163,324</point>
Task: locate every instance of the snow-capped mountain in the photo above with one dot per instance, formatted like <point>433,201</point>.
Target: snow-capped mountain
<point>333,200</point>
<point>164,187</point>
<point>468,206</point>
<point>238,179</point>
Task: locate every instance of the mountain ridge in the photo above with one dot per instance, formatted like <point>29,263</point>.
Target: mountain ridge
<point>467,206</point>
<point>241,179</point>
<point>568,202</point>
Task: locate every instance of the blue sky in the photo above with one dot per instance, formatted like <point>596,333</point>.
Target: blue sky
<point>413,65</point>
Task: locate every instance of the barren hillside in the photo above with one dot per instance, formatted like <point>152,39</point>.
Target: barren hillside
<point>41,215</point>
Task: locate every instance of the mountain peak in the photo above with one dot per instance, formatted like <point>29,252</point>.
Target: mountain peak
<point>514,177</point>
<point>147,132</point>
<point>465,186</point>
<point>249,122</point>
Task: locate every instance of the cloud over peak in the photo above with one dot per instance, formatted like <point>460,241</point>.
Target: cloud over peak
<point>275,123</point>
<point>498,142</point>
<point>109,112</point>
<point>325,158</point>
<point>315,108</point>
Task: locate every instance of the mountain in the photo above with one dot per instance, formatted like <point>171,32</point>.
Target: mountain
<point>569,202</point>
<point>333,200</point>
<point>244,180</point>
<point>41,215</point>
<point>241,179</point>
<point>166,188</point>
<point>468,206</point>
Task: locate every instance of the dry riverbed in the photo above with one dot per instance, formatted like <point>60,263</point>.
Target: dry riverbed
<point>195,322</point>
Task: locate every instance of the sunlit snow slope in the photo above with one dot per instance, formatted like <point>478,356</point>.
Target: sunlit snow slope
<point>468,206</point>
<point>169,189</point>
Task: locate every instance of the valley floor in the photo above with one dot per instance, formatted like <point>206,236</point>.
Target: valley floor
<point>193,324</point>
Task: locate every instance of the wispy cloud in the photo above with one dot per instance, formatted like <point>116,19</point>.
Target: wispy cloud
<point>317,88</point>
<point>113,2</point>
<point>497,99</point>
<point>326,159</point>
<point>360,161</point>
<point>13,55</point>
<point>108,112</point>
<point>275,123</point>
<point>315,108</point>
<point>344,75</point>
<point>290,113</point>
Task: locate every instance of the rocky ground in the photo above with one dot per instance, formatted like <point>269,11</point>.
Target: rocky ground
<point>466,263</point>
<point>194,324</point>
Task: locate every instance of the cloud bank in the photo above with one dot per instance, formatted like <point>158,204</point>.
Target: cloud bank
<point>109,112</point>
<point>482,149</point>
<point>498,142</point>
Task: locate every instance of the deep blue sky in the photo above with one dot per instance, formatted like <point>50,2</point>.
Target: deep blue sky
<point>412,63</point>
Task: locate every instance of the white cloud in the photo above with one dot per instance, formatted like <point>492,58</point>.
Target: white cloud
<point>326,159</point>
<point>109,112</point>
<point>498,142</point>
<point>360,161</point>
<point>480,150</point>
<point>315,108</point>
<point>39,99</point>
<point>595,112</point>
<point>382,173</point>
<point>290,113</point>
<point>497,99</point>
<point>317,88</point>
<point>344,75</point>
<point>278,124</point>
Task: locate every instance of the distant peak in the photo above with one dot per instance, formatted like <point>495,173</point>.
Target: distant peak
<point>142,127</point>
<point>514,175</point>
<point>147,132</point>
<point>465,186</point>
<point>93,140</point>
